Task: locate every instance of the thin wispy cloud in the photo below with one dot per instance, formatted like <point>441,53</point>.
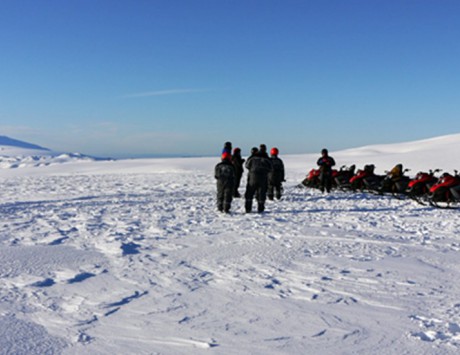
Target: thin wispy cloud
<point>165,92</point>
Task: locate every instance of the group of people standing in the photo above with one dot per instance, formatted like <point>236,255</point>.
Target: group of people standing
<point>265,177</point>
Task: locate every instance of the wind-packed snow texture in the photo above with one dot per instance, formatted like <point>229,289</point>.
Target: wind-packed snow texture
<point>132,257</point>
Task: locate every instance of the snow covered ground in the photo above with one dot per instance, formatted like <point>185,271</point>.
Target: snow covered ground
<point>131,256</point>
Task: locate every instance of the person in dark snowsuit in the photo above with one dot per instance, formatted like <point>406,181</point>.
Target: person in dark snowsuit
<point>263,151</point>
<point>276,176</point>
<point>238,162</point>
<point>258,168</point>
<point>325,164</point>
<point>224,172</point>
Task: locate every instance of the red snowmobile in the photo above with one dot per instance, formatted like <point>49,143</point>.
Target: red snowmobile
<point>445,193</point>
<point>363,178</point>
<point>420,185</point>
<point>312,179</point>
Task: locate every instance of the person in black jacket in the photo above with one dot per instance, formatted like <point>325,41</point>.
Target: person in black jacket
<point>238,162</point>
<point>224,172</point>
<point>325,164</point>
<point>263,151</point>
<point>276,176</point>
<point>258,168</point>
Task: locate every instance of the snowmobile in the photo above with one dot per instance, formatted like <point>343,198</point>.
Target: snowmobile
<point>445,193</point>
<point>391,184</point>
<point>418,187</point>
<point>394,182</point>
<point>341,178</point>
<point>364,178</point>
<point>312,179</point>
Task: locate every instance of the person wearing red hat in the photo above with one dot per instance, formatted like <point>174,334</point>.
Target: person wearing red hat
<point>276,176</point>
<point>224,172</point>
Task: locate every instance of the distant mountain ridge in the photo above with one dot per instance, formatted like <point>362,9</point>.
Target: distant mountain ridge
<point>4,140</point>
<point>19,154</point>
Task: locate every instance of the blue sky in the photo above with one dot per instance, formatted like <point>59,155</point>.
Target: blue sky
<point>131,78</point>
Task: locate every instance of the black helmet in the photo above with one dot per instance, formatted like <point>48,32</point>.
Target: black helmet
<point>254,151</point>
<point>324,151</point>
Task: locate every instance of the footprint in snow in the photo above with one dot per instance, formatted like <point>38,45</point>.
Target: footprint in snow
<point>58,241</point>
<point>130,248</point>
<point>44,283</point>
<point>346,300</point>
<point>81,277</point>
<point>274,282</point>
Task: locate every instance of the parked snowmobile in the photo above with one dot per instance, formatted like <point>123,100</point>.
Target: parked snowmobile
<point>420,185</point>
<point>363,178</point>
<point>342,177</point>
<point>312,179</point>
<point>445,192</point>
<point>394,182</point>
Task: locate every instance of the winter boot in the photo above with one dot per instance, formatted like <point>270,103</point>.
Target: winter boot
<point>279,192</point>
<point>248,206</point>
<point>260,207</point>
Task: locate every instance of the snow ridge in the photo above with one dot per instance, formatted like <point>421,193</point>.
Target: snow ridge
<point>19,154</point>
<point>21,161</point>
<point>7,141</point>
